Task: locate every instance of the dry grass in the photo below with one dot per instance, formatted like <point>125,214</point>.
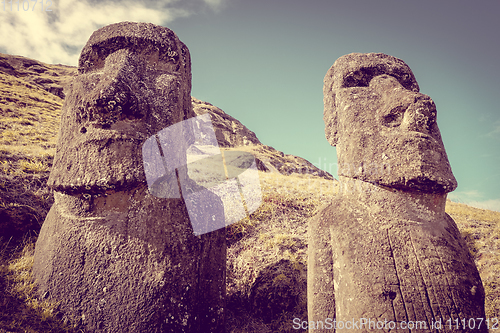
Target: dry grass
<point>273,240</point>
<point>278,231</point>
<point>20,308</point>
<point>273,235</point>
<point>29,122</point>
<point>29,118</point>
<point>481,230</point>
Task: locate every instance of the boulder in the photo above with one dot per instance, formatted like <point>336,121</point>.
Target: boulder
<point>279,288</point>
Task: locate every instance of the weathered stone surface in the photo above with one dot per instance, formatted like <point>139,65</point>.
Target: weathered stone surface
<point>134,81</point>
<point>384,249</point>
<point>117,258</point>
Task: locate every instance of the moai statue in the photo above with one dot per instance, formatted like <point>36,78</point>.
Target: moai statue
<point>115,256</point>
<point>384,254</point>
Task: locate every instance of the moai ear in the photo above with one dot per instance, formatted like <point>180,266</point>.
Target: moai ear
<point>330,112</point>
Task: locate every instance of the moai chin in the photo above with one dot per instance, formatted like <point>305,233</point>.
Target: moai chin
<point>116,257</point>
<point>384,250</point>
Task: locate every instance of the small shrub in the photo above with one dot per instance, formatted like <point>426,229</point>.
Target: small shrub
<point>33,166</point>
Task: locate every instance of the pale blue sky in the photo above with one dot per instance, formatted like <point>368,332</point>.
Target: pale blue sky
<point>263,62</point>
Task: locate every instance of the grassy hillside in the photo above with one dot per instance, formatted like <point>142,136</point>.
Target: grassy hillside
<point>267,252</point>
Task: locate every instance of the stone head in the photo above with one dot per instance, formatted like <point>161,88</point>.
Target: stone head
<point>384,129</point>
<point>134,79</point>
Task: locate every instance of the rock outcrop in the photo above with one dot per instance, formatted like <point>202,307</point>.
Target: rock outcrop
<point>116,257</point>
<point>230,132</point>
<point>51,78</point>
<point>233,135</point>
<point>384,251</point>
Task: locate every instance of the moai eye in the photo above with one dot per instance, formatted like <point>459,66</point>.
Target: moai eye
<point>92,64</point>
<point>357,79</point>
<point>394,117</point>
<point>404,78</point>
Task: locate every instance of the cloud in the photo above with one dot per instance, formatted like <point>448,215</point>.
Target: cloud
<point>215,4</point>
<point>495,133</point>
<point>58,36</point>
<point>459,195</point>
<point>493,204</point>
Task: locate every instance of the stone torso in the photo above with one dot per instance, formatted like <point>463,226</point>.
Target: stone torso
<point>393,265</point>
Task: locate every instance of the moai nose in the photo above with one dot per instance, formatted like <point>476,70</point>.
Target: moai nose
<point>408,110</point>
<point>112,98</point>
<point>420,115</point>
